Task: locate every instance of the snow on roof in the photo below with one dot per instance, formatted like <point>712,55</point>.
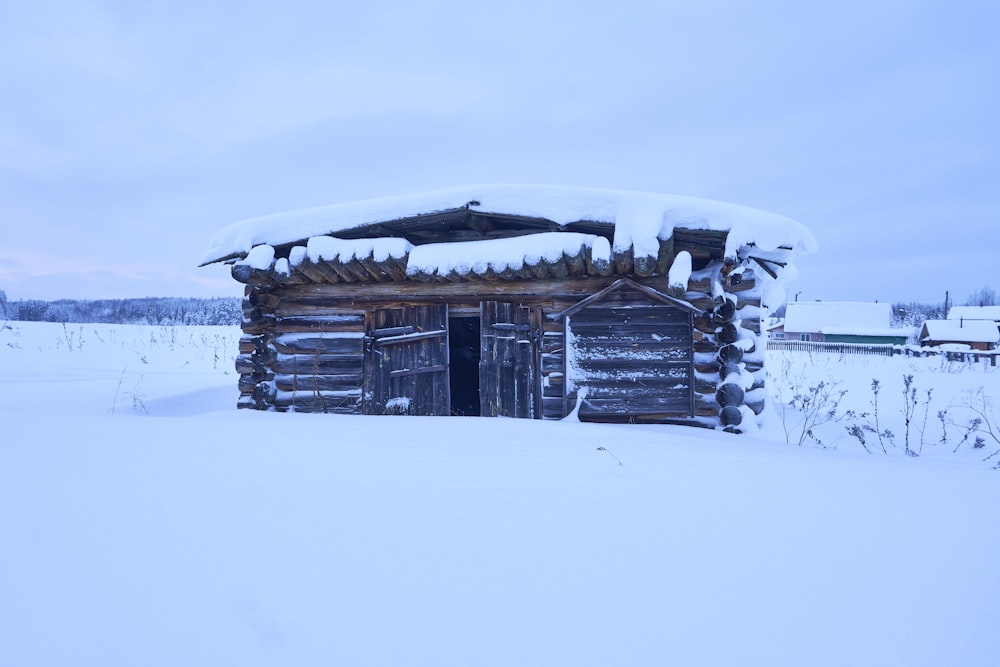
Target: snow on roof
<point>640,218</point>
<point>967,331</point>
<point>840,317</point>
<point>975,313</point>
<point>501,254</point>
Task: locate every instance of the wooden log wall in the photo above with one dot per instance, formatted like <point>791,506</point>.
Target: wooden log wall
<point>729,359</point>
<point>304,346</point>
<point>299,358</point>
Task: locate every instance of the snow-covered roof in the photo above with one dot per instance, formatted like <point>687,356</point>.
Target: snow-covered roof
<point>975,313</point>
<point>959,331</point>
<point>640,219</point>
<point>840,317</point>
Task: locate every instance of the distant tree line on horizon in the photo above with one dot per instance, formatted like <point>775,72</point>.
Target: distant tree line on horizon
<point>228,310</point>
<point>174,311</point>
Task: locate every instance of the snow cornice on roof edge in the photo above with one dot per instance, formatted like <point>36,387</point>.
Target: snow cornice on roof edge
<point>640,219</point>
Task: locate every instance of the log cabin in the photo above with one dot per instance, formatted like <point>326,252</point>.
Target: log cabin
<point>532,302</point>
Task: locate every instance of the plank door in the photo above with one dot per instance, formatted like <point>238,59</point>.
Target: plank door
<point>407,357</point>
<point>508,365</point>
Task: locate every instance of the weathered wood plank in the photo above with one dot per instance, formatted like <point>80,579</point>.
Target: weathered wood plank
<point>323,401</point>
<point>532,290</point>
<point>333,323</point>
<point>336,343</point>
<point>318,364</point>
<point>340,383</point>
<point>634,406</point>
<point>629,391</point>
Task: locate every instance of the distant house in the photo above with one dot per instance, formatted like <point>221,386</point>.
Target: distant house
<point>839,322</point>
<point>517,301</point>
<point>970,334</point>
<point>987,313</point>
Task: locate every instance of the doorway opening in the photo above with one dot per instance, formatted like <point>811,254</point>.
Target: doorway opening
<point>464,349</point>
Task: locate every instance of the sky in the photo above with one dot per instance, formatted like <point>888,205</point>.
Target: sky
<point>130,132</point>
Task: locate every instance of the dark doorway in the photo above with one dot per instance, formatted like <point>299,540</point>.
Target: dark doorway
<point>463,369</point>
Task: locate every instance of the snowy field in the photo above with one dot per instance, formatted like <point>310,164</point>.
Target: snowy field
<point>145,521</point>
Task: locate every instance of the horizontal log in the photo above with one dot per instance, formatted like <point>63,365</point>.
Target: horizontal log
<point>706,346</point>
<point>321,306</point>
<point>701,303</point>
<point>263,300</point>
<point>598,311</point>
<point>592,355</point>
<point>627,333</point>
<point>706,385</point>
<point>706,366</point>
<point>634,406</point>
<point>318,364</point>
<point>262,325</point>
<point>678,392</point>
<point>263,354</point>
<point>246,384</point>
<point>633,367</point>
<point>704,325</point>
<point>332,323</point>
<point>245,364</point>
<point>325,402</point>
<point>341,383</point>
<point>246,274</point>
<point>749,301</point>
<point>530,291</point>
<point>351,343</point>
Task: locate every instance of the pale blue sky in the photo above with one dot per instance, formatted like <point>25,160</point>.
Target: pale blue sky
<point>131,131</point>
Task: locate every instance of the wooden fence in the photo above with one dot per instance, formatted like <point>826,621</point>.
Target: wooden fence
<point>866,349</point>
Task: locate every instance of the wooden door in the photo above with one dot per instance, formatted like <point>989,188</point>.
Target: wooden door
<point>407,361</point>
<point>508,366</point>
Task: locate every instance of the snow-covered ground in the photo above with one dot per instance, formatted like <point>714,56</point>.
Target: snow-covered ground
<point>145,521</point>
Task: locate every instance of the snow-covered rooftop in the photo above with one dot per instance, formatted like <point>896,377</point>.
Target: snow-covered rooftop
<point>975,313</point>
<point>961,331</point>
<point>640,218</point>
<point>840,317</point>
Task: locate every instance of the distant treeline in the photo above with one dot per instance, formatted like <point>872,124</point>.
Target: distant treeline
<point>149,310</point>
